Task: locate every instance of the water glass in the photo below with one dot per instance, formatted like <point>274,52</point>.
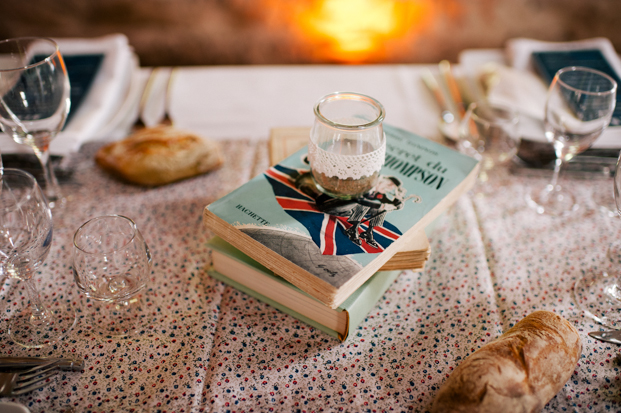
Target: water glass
<point>489,133</point>
<point>111,265</point>
<point>579,107</point>
<point>347,144</point>
<point>26,233</point>
<point>34,89</point>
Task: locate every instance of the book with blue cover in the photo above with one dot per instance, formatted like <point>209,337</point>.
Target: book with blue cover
<point>329,247</point>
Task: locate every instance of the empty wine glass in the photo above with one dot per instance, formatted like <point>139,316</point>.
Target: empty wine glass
<point>489,133</point>
<point>579,107</point>
<point>111,265</point>
<point>34,92</point>
<point>597,292</point>
<point>347,144</point>
<point>25,240</point>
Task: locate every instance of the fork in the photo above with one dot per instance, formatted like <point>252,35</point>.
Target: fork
<point>17,383</point>
<point>167,120</point>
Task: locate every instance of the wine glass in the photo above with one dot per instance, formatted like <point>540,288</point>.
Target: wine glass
<point>598,293</point>
<point>111,264</point>
<point>25,240</point>
<point>578,108</point>
<point>489,133</point>
<point>347,144</point>
<point>34,92</point>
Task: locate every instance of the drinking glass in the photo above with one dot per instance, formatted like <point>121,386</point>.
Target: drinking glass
<point>489,133</point>
<point>579,107</point>
<point>347,144</point>
<point>111,265</point>
<point>34,92</point>
<point>598,293</point>
<point>25,240</point>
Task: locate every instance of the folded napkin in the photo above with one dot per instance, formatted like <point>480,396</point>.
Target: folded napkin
<point>105,95</point>
<point>518,85</point>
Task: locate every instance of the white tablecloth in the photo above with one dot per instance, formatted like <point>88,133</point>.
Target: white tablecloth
<point>216,349</point>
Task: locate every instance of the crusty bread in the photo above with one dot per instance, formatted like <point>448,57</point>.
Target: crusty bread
<point>518,372</point>
<point>159,155</point>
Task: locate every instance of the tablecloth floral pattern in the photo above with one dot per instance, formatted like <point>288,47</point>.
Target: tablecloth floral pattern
<point>211,348</point>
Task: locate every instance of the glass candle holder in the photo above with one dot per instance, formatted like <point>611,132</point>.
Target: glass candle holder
<point>347,144</point>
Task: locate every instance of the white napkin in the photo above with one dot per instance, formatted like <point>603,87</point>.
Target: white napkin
<point>519,86</point>
<point>106,94</point>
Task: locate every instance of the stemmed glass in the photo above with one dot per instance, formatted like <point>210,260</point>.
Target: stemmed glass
<point>489,133</point>
<point>579,107</point>
<point>598,293</point>
<point>111,265</point>
<point>34,92</point>
<point>25,240</point>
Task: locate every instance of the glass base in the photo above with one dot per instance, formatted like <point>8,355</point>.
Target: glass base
<point>598,294</point>
<point>116,319</point>
<point>58,323</point>
<point>555,201</point>
<point>604,198</point>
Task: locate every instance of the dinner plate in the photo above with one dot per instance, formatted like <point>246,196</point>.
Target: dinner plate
<point>8,407</point>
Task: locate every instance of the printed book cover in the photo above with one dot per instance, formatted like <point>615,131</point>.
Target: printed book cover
<point>329,247</point>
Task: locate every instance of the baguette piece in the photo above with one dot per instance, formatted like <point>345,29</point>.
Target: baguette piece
<point>518,372</point>
<point>159,155</point>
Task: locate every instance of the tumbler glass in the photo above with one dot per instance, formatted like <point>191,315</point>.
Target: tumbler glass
<point>111,265</point>
<point>347,144</point>
<point>489,133</point>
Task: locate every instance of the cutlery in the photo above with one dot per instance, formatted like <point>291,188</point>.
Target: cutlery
<point>613,336</point>
<point>453,88</point>
<point>167,120</point>
<point>67,364</point>
<point>146,92</point>
<point>448,123</point>
<point>17,383</point>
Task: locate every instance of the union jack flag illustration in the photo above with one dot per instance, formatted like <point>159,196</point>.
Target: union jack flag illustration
<point>327,231</point>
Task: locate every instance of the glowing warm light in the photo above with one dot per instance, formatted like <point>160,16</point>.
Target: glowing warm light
<point>356,30</point>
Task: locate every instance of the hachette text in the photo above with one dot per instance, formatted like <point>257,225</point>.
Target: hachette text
<point>252,214</point>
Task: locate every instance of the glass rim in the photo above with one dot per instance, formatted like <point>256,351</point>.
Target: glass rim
<point>25,174</point>
<point>567,69</point>
<point>336,96</point>
<point>49,57</point>
<point>514,119</point>
<point>133,226</point>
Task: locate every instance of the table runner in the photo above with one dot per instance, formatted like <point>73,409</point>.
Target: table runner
<point>213,348</point>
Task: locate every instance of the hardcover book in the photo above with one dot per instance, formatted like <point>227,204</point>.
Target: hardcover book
<point>236,269</point>
<point>330,247</point>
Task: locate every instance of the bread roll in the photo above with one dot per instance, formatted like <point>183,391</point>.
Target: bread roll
<point>518,372</point>
<point>159,155</point>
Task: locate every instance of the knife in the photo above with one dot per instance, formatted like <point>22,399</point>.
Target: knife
<point>613,336</point>
<point>25,362</point>
<point>453,87</point>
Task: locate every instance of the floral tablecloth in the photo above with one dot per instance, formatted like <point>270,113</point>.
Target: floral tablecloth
<point>213,348</point>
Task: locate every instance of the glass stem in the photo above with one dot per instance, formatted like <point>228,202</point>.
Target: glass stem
<point>552,186</point>
<point>39,314</point>
<point>52,189</point>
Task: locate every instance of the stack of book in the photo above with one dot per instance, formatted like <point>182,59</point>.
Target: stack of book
<point>323,260</point>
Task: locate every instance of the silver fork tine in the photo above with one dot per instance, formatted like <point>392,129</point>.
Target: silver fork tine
<point>37,370</point>
<point>31,385</point>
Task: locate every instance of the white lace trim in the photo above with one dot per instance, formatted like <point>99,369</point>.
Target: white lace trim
<point>346,166</point>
